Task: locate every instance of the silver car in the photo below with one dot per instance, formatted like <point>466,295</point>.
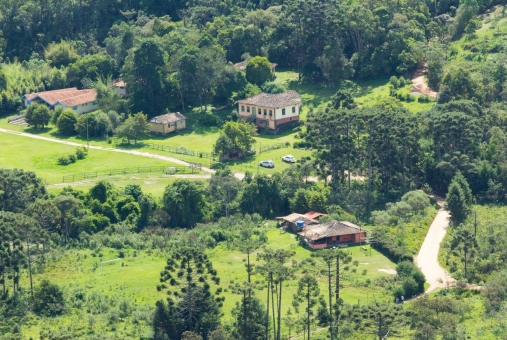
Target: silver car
<point>289,159</point>
<point>267,164</point>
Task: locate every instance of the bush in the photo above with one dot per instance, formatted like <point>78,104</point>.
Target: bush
<point>63,160</point>
<point>387,246</point>
<point>208,119</point>
<point>423,98</point>
<point>66,122</point>
<point>81,152</point>
<point>272,87</point>
<point>48,299</point>
<point>412,279</point>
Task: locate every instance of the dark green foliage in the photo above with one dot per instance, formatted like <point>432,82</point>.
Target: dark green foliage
<point>258,70</point>
<point>66,122</point>
<point>438,315</point>
<point>95,124</point>
<point>18,189</point>
<point>89,67</point>
<point>272,87</point>
<point>188,276</point>
<point>459,198</point>
<point>412,279</point>
<point>48,299</point>
<point>184,202</point>
<point>134,128</point>
<point>38,115</point>
<point>235,140</point>
<point>250,316</point>
<point>387,246</point>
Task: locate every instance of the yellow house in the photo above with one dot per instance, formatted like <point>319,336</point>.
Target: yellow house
<point>168,123</point>
<point>270,111</point>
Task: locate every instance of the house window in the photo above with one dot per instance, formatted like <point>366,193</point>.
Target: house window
<point>260,112</point>
<point>248,109</point>
<point>74,108</point>
<point>293,109</point>
<point>283,112</point>
<point>94,103</point>
<point>242,108</point>
<point>265,112</point>
<point>270,113</point>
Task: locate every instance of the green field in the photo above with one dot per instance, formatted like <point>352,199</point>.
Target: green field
<point>42,158</point>
<point>200,138</point>
<point>135,277</point>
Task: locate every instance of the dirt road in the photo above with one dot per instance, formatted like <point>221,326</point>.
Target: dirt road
<point>427,259</point>
<point>131,152</point>
<point>420,84</point>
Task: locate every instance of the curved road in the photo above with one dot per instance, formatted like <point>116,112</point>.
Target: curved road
<point>427,259</point>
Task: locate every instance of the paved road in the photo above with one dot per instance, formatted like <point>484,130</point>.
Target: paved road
<point>427,259</point>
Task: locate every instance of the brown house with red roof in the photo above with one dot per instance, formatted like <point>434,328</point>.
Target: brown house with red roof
<point>270,111</point>
<point>331,234</point>
<point>81,101</point>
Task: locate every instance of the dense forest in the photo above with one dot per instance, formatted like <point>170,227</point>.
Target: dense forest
<point>374,165</point>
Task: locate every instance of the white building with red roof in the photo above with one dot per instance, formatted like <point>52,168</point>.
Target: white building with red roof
<point>81,101</point>
<point>270,111</point>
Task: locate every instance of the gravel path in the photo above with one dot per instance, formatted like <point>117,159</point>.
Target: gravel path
<point>427,259</point>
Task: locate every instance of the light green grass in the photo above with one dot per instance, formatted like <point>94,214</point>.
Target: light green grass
<point>137,279</point>
<point>42,156</point>
<point>151,183</point>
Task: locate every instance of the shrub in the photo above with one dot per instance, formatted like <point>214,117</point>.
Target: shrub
<point>63,160</point>
<point>48,299</point>
<point>81,152</point>
<point>412,279</point>
<point>66,123</point>
<point>208,119</point>
<point>394,82</point>
<point>423,98</point>
<point>72,158</point>
<point>387,246</point>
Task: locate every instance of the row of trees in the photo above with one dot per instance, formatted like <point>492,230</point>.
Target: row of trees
<point>397,151</point>
<point>189,276</point>
<point>173,65</point>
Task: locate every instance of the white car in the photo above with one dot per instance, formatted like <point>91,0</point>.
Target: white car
<point>289,159</point>
<point>267,164</point>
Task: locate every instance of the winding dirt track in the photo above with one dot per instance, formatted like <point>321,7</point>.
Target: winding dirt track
<point>427,259</point>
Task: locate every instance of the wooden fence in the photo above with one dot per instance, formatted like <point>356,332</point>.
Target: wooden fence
<point>179,150</point>
<point>193,168</point>
<point>272,147</point>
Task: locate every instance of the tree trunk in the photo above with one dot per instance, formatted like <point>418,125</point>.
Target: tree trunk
<point>267,311</point>
<point>273,306</point>
<point>308,311</point>
<point>279,311</point>
<point>30,268</point>
<point>331,329</point>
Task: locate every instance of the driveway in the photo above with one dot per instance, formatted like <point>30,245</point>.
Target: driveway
<point>427,259</point>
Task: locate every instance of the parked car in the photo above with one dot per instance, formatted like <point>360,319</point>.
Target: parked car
<point>289,159</point>
<point>267,164</point>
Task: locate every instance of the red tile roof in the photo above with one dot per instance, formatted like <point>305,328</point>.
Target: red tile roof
<point>273,100</point>
<point>314,214</point>
<point>68,97</point>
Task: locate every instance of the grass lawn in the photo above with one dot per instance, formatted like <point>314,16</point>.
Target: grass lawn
<point>135,278</point>
<point>151,183</point>
<point>42,156</point>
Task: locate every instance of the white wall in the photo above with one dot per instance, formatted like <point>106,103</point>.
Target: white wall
<point>288,112</point>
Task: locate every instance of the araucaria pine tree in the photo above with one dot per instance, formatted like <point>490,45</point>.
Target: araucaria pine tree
<point>190,274</point>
